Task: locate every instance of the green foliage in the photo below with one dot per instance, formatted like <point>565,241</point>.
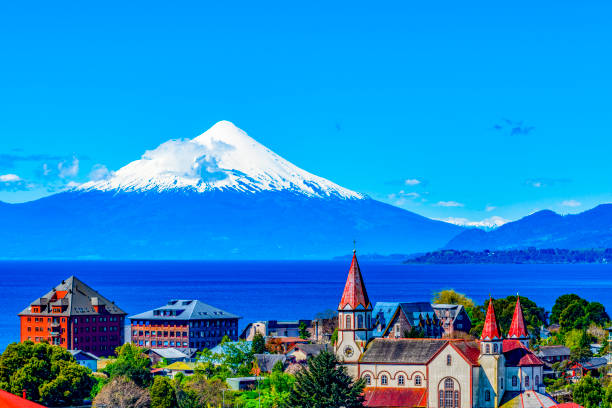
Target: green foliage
<point>272,392</point>
<point>162,393</point>
<point>534,315</point>
<point>580,350</point>
<point>131,363</point>
<point>325,384</point>
<point>334,336</point>
<point>49,374</point>
<point>588,392</point>
<point>259,344</point>
<point>99,383</point>
<point>278,367</point>
<point>572,312</point>
<point>303,331</point>
<point>197,392</point>
<point>236,359</point>
<point>449,296</point>
<point>414,333</point>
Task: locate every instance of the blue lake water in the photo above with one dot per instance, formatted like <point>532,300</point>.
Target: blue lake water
<point>288,289</point>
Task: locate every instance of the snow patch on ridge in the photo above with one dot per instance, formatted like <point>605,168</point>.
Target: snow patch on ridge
<point>223,158</point>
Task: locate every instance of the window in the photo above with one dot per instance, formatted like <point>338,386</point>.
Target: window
<point>456,399</point>
<point>449,360</point>
<point>537,380</point>
<point>348,322</point>
<point>368,379</point>
<point>526,381</point>
<point>384,380</point>
<point>495,348</point>
<point>459,326</point>
<point>400,380</point>
<point>360,321</point>
<point>368,321</point>
<point>514,381</point>
<point>448,384</point>
<point>397,330</point>
<point>417,380</point>
<point>488,348</point>
<point>487,395</point>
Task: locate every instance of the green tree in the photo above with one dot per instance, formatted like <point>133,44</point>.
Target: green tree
<point>449,296</point>
<point>414,333</point>
<point>197,392</point>
<point>582,350</point>
<point>278,367</point>
<point>596,313</point>
<point>303,331</point>
<point>48,374</point>
<point>325,384</point>
<point>162,393</point>
<point>259,344</point>
<point>131,363</point>
<point>588,392</point>
<point>561,303</point>
<point>573,316</point>
<point>534,315</point>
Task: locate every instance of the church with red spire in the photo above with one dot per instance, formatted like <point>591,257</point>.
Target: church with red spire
<point>493,371</point>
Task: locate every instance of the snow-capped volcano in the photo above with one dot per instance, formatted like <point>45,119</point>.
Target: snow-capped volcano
<point>222,158</point>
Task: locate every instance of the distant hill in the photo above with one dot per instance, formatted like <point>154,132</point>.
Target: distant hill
<point>544,229</point>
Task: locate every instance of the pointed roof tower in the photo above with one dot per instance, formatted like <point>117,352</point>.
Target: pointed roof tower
<point>354,290</point>
<point>518,328</point>
<point>490,331</point>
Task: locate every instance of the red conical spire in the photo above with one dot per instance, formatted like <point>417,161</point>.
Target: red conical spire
<point>354,290</point>
<point>490,330</point>
<point>518,329</point>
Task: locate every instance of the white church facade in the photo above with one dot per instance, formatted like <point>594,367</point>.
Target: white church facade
<point>437,372</point>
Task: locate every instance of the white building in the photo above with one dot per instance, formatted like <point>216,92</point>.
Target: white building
<point>442,373</point>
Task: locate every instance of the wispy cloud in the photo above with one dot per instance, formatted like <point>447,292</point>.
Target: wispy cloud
<point>487,223</point>
<point>449,204</point>
<point>412,182</point>
<point>9,161</point>
<point>490,208</point>
<point>546,182</point>
<point>99,172</point>
<point>571,203</point>
<point>403,197</point>
<point>68,169</point>
<point>513,127</point>
<point>9,178</point>
<point>12,182</point>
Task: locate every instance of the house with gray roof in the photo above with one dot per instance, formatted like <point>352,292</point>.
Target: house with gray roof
<point>183,323</point>
<point>399,319</point>
<point>454,318</point>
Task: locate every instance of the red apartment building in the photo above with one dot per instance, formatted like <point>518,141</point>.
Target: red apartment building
<point>183,324</point>
<point>74,316</point>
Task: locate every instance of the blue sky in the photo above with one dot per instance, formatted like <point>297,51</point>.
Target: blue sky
<point>452,110</point>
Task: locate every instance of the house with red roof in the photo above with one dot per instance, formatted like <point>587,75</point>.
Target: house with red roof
<point>8,400</point>
<point>435,372</point>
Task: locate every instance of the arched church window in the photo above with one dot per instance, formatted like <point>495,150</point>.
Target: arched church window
<point>384,380</point>
<point>417,380</point>
<point>448,397</point>
<point>449,360</point>
<point>368,379</point>
<point>488,348</point>
<point>360,321</point>
<point>368,321</point>
<point>514,381</point>
<point>348,321</point>
<point>400,380</point>
<point>487,395</point>
<point>456,399</point>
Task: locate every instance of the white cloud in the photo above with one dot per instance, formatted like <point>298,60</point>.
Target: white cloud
<point>68,169</point>
<point>571,203</point>
<point>487,223</point>
<point>536,184</point>
<point>449,204</point>
<point>46,169</point>
<point>72,184</point>
<point>99,172</point>
<point>9,178</point>
<point>490,208</point>
<point>412,182</point>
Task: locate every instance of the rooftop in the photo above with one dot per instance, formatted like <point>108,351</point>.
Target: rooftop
<point>75,299</point>
<point>185,309</point>
<point>402,351</point>
<point>395,397</point>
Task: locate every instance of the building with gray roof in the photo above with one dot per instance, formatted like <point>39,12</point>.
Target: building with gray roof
<point>186,323</point>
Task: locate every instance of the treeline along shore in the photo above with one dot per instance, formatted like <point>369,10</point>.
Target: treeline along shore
<point>515,256</point>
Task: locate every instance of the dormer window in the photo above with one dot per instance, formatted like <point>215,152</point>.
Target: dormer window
<point>449,360</point>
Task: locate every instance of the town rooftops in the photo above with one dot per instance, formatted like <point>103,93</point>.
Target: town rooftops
<point>185,309</point>
<point>490,330</point>
<point>8,400</point>
<point>592,363</point>
<point>526,399</point>
<point>395,397</point>
<point>71,297</point>
<point>402,351</point>
<point>417,311</point>
<point>172,353</point>
<point>355,293</point>
<point>382,314</point>
<point>82,355</point>
<point>517,355</point>
<point>266,362</point>
<point>553,351</point>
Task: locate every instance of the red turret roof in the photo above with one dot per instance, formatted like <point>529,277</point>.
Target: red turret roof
<point>490,330</point>
<point>354,290</point>
<point>518,329</point>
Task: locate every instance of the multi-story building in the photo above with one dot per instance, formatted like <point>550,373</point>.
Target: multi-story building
<point>183,323</point>
<point>74,316</point>
<point>454,318</point>
<point>399,319</point>
<point>274,328</point>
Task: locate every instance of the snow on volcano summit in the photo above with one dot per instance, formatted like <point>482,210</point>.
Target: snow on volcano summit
<point>224,158</point>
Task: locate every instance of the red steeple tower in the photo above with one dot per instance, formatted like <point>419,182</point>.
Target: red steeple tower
<point>490,330</point>
<point>354,290</point>
<point>518,328</point>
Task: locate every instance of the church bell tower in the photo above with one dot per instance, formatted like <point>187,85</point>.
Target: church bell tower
<point>492,362</point>
<point>354,318</point>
